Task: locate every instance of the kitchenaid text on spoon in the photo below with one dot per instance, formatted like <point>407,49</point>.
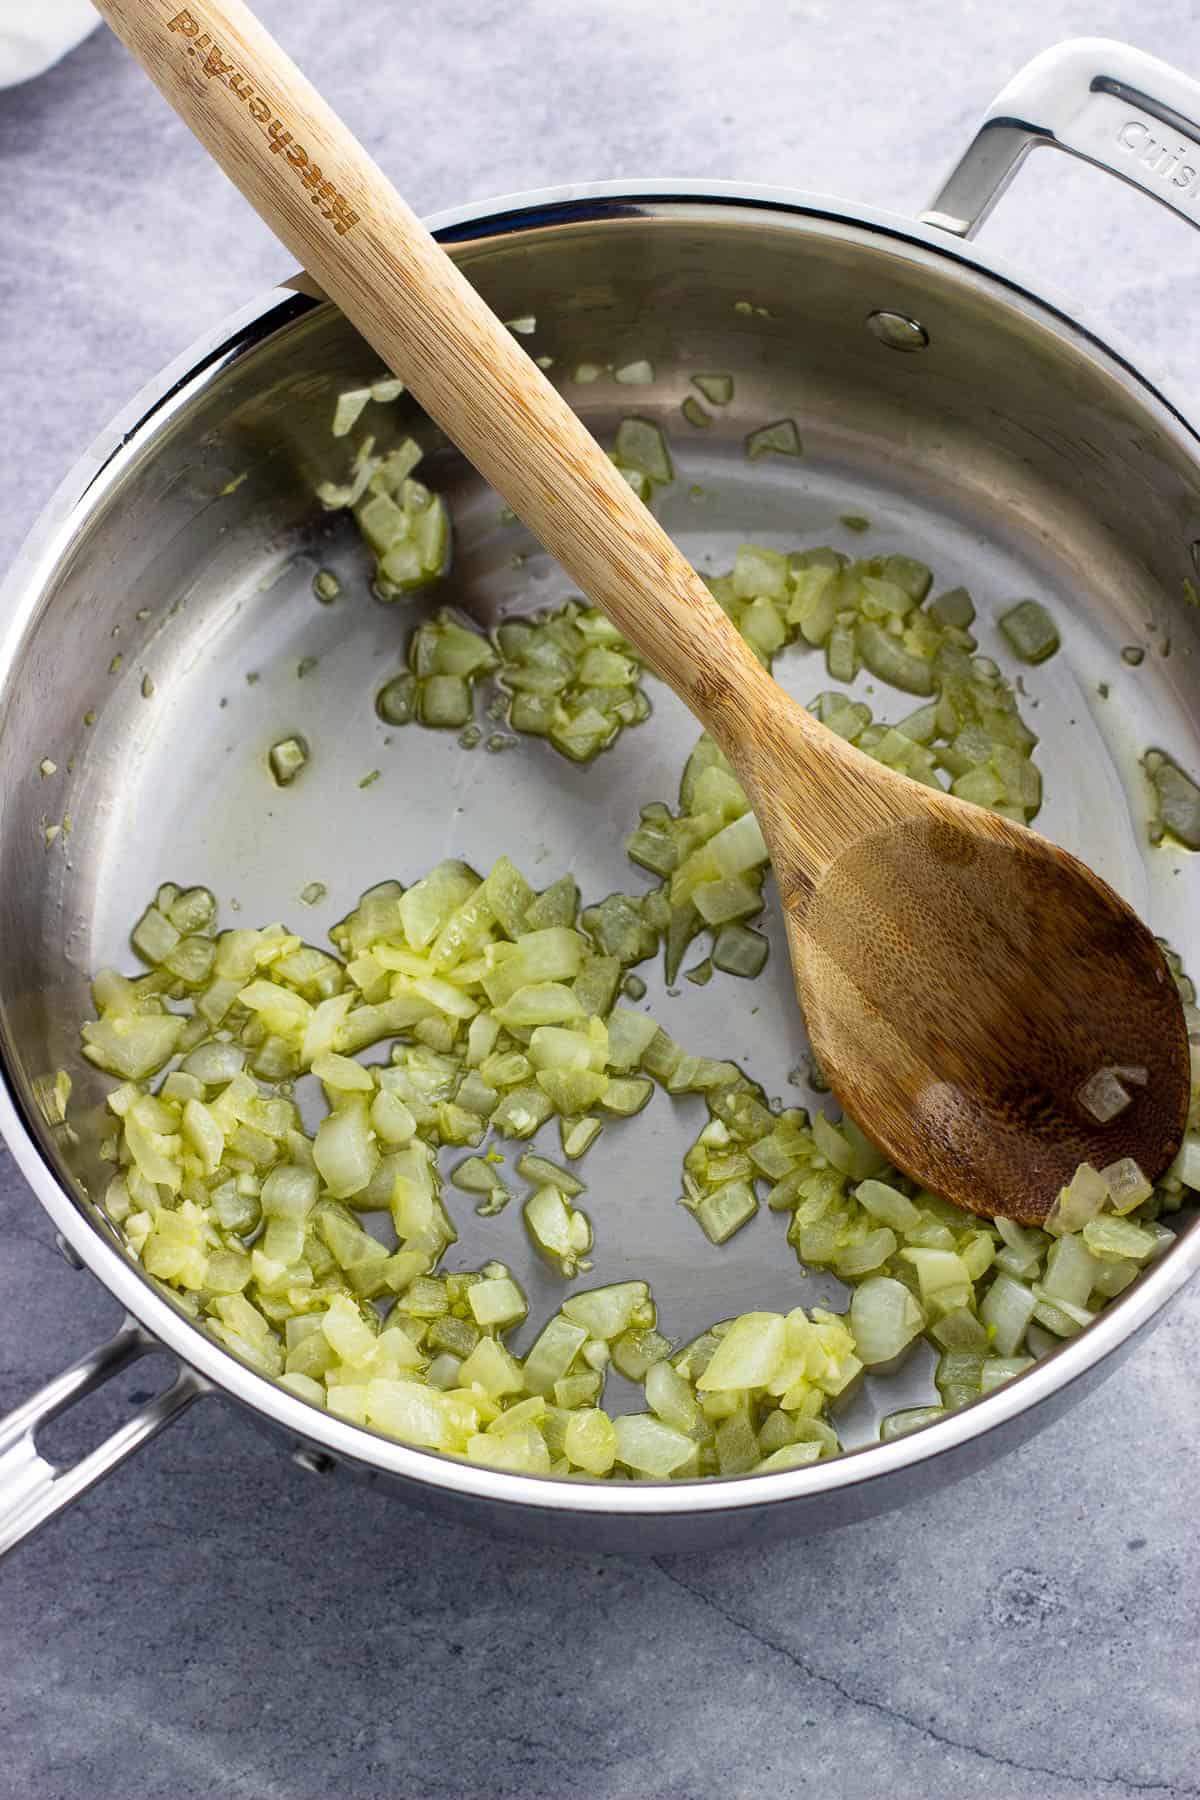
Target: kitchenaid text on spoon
<point>217,65</point>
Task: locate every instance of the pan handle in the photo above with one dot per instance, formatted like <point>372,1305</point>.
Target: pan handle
<point>1102,101</point>
<point>32,1489</point>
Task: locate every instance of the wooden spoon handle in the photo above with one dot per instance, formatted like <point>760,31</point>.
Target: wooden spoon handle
<point>318,190</point>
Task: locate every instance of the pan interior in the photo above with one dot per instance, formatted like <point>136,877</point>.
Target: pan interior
<point>179,637</point>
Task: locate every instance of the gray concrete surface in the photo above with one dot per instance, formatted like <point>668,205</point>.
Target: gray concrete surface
<point>212,1622</point>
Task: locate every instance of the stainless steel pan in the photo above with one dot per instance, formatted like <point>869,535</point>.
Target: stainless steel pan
<point>937,392</point>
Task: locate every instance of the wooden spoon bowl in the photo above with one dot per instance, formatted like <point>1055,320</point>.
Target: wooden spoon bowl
<point>961,985</point>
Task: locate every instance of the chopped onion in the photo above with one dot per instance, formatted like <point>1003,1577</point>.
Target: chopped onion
<point>1007,1310</point>
<point>997,1370</point>
<point>748,1355</point>
<point>349,409</point>
<point>641,446</point>
<point>560,1232</point>
<point>716,388</point>
<point>1079,1201</point>
<point>1030,631</point>
<point>648,1447</point>
<point>497,1010</point>
<point>590,1441</point>
<point>912,1418</point>
<point>779,439</point>
<point>885,1317</point>
<point>723,1210</point>
<point>1177,801</point>
<point>739,951</point>
<point>1103,1096</point>
<point>1126,1184</point>
<point>287,758</point>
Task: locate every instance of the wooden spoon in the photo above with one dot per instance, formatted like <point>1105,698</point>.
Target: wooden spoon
<point>961,977</point>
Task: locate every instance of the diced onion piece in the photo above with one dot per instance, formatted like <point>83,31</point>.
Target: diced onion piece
<point>724,1209</point>
<point>1186,1167</point>
<point>561,1233</point>
<point>886,657</point>
<point>497,1303</point>
<point>716,388</point>
<point>408,1410</point>
<point>648,1447</point>
<point>1127,1185</point>
<point>1116,1237</point>
<point>1030,631</point>
<point>289,1192</point>
<point>955,607</point>
<point>1177,800</point>
<point>1082,1198</point>
<point>552,1353</point>
<point>1070,1272</point>
<point>287,758</point>
<point>494,1368</point>
<point>1103,1096</point>
<point>342,1073</point>
<point>1063,1318</point>
<point>789,1456</point>
<point>1022,1252</point>
<point>362,470</point>
<point>1007,1310</point>
<point>606,1312</point>
<point>635,1350</point>
<point>671,1397</point>
<point>748,1355</point>
<point>937,1270</point>
<point>134,1047</point>
<point>344,1151</point>
<point>590,1441</point>
<point>997,1370</point>
<point>641,446</point>
<point>347,1332</point>
<point>885,1317</point>
<point>846,1148</point>
<point>627,1096</point>
<point>578,1135</point>
<point>396,701</point>
<point>542,1170</point>
<point>779,439</point>
<point>51,1093</point>
<point>887,1204</point>
<point>572,1392</point>
<point>351,404</point>
<point>739,951</point>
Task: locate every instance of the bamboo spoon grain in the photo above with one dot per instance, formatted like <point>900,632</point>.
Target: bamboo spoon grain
<point>961,977</point>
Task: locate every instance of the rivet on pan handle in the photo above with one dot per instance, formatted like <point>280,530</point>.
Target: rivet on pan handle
<point>1104,102</point>
<point>32,1489</point>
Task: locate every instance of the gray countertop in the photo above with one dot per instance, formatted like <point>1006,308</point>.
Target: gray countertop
<point>213,1622</point>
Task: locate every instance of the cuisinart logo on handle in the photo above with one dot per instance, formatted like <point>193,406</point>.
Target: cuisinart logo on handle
<point>1170,165</point>
<point>217,66</point>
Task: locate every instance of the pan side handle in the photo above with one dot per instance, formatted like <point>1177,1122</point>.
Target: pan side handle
<point>1102,101</point>
<point>33,1489</point>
